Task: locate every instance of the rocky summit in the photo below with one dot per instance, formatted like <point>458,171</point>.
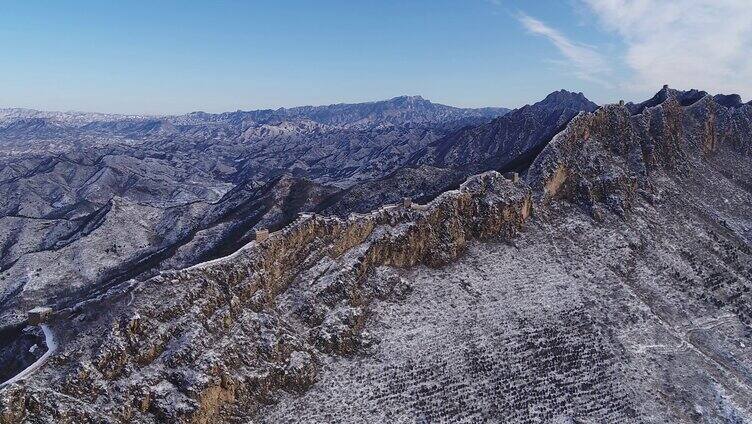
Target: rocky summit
<point>396,261</point>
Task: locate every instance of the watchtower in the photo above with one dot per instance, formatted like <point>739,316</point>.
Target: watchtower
<point>39,315</point>
<point>512,176</point>
<point>262,234</point>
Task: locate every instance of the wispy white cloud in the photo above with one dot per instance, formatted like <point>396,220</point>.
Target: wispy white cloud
<point>583,60</point>
<point>702,44</point>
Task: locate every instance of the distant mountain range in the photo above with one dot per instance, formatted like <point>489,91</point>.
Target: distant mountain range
<point>396,111</point>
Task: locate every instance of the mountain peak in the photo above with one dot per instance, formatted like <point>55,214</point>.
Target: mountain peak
<point>408,99</point>
<point>567,99</point>
<point>728,100</point>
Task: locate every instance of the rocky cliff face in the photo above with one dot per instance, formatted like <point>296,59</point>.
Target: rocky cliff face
<point>605,159</point>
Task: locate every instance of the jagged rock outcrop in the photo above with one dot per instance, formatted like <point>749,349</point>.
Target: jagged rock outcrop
<point>604,159</point>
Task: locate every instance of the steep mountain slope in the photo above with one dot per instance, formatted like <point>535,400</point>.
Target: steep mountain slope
<point>510,142</point>
<point>612,285</point>
<point>124,239</point>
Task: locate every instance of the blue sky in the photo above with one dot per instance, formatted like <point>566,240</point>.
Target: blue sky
<point>175,57</point>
